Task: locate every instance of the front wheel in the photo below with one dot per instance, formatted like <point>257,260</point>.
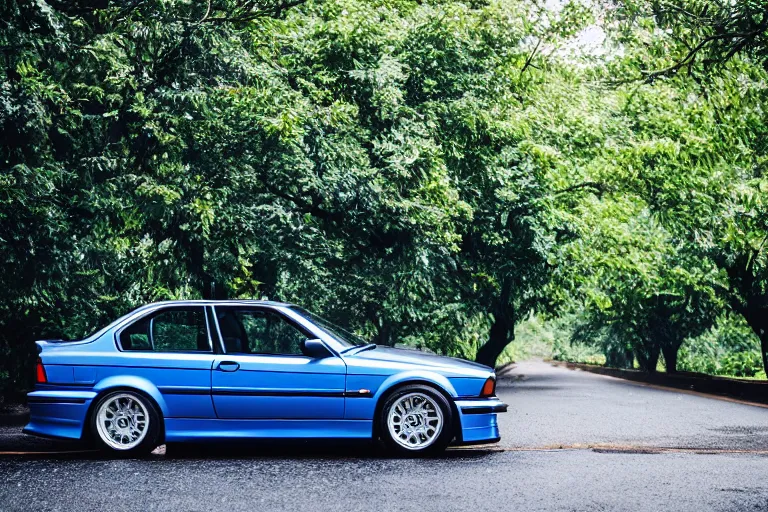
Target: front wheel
<point>416,420</point>
<point>125,423</point>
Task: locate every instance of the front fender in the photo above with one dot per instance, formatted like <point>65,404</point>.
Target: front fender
<point>397,379</point>
<point>133,382</point>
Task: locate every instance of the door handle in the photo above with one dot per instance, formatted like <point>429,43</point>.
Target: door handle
<point>228,366</point>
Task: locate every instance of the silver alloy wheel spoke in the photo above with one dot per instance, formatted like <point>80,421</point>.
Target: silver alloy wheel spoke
<point>122,422</point>
<point>415,421</point>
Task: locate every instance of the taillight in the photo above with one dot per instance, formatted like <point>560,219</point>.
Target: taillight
<point>489,388</point>
<point>41,377</point>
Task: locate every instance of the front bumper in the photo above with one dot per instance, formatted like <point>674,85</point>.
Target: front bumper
<point>58,413</point>
<point>479,423</point>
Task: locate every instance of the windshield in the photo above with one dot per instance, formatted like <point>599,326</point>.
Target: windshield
<point>343,336</point>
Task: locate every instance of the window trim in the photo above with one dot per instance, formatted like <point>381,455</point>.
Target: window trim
<point>155,312</point>
<point>150,333</point>
<point>212,323</point>
<point>276,311</point>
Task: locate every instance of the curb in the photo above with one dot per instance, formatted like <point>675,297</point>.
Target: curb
<point>748,390</point>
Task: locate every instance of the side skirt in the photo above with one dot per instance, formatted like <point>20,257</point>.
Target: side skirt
<point>190,429</point>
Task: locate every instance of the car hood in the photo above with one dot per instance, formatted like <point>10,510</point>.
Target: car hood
<point>400,357</point>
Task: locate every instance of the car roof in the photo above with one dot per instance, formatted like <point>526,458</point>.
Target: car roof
<point>142,310</point>
<point>204,302</point>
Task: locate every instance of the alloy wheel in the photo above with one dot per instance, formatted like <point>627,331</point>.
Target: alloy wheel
<point>415,421</point>
<point>122,421</point>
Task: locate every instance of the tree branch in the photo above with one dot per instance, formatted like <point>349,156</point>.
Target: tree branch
<point>530,57</point>
<point>207,13</point>
<point>597,187</point>
<point>689,58</point>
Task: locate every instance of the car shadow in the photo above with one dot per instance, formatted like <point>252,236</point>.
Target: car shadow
<point>15,444</point>
<point>301,449</point>
<point>40,448</point>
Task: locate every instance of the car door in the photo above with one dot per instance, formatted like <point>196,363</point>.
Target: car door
<point>263,373</point>
<point>172,348</point>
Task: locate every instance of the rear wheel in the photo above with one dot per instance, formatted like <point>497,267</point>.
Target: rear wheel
<point>416,420</point>
<point>125,423</point>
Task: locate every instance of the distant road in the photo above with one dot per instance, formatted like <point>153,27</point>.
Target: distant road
<point>625,447</point>
<point>552,406</point>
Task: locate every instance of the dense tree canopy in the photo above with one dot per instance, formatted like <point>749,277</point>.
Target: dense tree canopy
<point>426,173</point>
<point>698,159</point>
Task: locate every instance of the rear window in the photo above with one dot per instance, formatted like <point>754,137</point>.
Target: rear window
<point>168,330</point>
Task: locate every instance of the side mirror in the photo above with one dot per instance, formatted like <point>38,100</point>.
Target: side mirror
<point>315,348</point>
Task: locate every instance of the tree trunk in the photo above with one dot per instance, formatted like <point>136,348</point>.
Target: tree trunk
<point>384,334</point>
<point>764,350</point>
<point>670,357</point>
<point>619,357</point>
<point>648,358</point>
<point>653,360</point>
<point>209,289</point>
<point>757,318</point>
<point>500,336</point>
<point>762,333</point>
<point>749,300</point>
<point>502,329</point>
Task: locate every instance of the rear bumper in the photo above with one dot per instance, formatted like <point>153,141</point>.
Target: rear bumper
<point>479,423</point>
<point>60,414</point>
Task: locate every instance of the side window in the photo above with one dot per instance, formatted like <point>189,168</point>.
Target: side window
<point>257,331</point>
<point>169,330</point>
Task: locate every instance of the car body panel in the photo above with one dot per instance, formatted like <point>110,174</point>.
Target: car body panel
<point>479,423</point>
<point>266,396</point>
<point>58,412</point>
<point>383,359</point>
<point>279,387</point>
<point>364,408</point>
<point>181,387</point>
<point>185,430</point>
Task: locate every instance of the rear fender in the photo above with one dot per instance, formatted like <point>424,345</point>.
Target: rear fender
<point>133,382</point>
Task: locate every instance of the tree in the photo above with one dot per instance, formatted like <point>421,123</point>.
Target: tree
<point>305,151</point>
<point>420,91</point>
<point>707,176</point>
<point>703,34</point>
<point>639,285</point>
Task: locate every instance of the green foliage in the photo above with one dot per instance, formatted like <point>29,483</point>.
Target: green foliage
<point>427,173</point>
<point>644,292</point>
<point>730,348</point>
<point>705,178</point>
<point>741,364</point>
<point>705,33</point>
<point>378,162</point>
<point>534,339</point>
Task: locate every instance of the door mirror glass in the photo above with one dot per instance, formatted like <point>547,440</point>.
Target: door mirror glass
<point>315,348</point>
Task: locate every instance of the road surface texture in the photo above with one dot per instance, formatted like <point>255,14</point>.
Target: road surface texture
<point>571,441</point>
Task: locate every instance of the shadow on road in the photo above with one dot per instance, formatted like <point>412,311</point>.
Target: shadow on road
<point>301,449</point>
<point>14,444</point>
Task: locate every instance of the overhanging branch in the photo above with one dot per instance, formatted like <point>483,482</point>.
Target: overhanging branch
<point>593,186</point>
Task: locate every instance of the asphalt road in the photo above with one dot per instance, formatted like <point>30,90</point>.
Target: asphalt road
<point>570,441</point>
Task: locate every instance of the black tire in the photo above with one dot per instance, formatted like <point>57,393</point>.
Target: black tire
<point>443,438</point>
<point>151,438</point>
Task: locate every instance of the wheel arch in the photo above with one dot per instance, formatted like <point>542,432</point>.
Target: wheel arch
<point>388,388</point>
<point>137,385</point>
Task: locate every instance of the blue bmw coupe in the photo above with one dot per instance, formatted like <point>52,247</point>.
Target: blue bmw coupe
<point>201,370</point>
